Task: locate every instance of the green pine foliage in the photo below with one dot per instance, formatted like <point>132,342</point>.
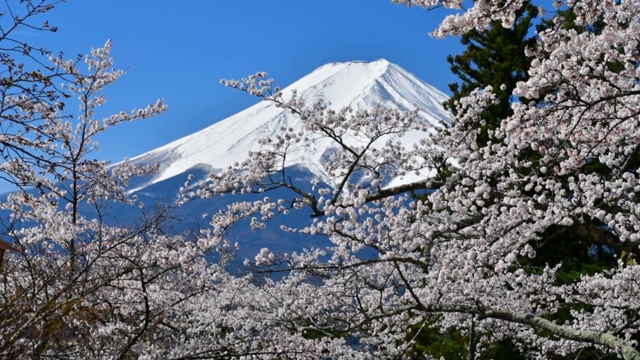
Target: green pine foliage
<point>493,57</point>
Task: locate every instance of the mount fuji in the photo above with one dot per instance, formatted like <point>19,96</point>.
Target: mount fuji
<point>359,85</point>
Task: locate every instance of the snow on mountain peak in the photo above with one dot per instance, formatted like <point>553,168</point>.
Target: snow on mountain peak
<point>361,85</point>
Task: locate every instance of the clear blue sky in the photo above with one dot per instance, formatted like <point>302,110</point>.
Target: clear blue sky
<point>180,51</point>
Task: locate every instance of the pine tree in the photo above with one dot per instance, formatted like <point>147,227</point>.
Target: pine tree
<point>493,57</point>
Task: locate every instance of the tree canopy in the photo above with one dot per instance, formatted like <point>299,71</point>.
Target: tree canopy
<point>462,259</point>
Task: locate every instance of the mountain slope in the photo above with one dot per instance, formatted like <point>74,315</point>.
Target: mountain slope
<point>361,85</point>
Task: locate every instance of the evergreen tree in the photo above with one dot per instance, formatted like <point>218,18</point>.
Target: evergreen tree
<point>493,57</point>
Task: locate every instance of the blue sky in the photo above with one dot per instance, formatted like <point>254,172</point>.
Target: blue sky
<point>180,51</point>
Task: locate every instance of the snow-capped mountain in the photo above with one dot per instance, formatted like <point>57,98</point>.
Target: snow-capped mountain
<point>360,85</point>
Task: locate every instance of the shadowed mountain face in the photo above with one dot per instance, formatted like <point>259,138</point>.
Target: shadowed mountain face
<point>359,85</point>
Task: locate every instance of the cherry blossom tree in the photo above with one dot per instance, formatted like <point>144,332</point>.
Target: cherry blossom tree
<point>464,251</point>
<point>460,256</point>
<point>77,287</point>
